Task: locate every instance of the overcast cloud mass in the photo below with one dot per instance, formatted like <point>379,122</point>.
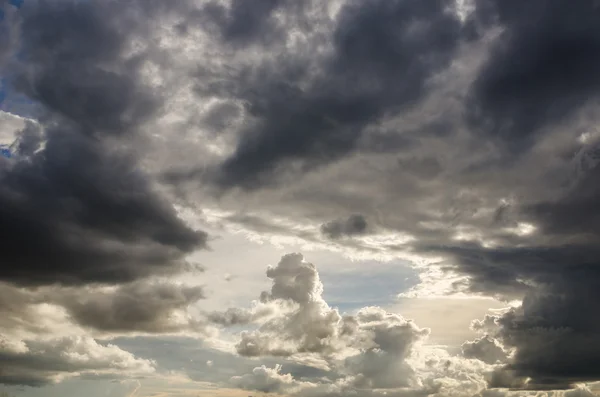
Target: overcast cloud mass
<point>229,197</point>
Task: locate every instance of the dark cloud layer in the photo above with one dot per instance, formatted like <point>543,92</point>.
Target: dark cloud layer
<point>243,23</point>
<point>540,71</point>
<point>383,54</point>
<point>75,208</point>
<point>75,212</point>
<point>81,71</point>
<point>142,306</point>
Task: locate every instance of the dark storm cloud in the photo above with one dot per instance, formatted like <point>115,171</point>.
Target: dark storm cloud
<point>77,212</point>
<point>576,214</point>
<point>243,22</point>
<point>556,332</point>
<point>541,70</point>
<point>355,224</point>
<point>74,208</point>
<point>80,72</point>
<point>7,32</point>
<point>383,54</point>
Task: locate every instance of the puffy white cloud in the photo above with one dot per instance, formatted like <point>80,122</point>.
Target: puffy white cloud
<point>370,353</point>
<point>268,380</point>
<point>385,341</point>
<point>38,362</point>
<point>306,323</point>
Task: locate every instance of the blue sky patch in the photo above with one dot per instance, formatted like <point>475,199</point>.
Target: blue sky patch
<point>16,3</point>
<point>5,152</point>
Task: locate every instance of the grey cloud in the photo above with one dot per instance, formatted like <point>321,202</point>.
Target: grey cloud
<point>485,349</point>
<point>81,209</point>
<point>574,213</point>
<point>9,35</point>
<point>17,310</point>
<point>554,332</point>
<point>77,207</point>
<point>232,316</point>
<point>238,316</point>
<point>374,43</point>
<point>244,23</point>
<point>539,72</point>
<point>425,168</point>
<point>152,307</point>
<point>503,378</point>
<point>33,353</point>
<point>264,225</point>
<point>78,211</point>
<point>355,225</point>
<point>77,52</point>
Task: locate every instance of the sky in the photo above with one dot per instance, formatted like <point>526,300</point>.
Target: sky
<point>299,198</point>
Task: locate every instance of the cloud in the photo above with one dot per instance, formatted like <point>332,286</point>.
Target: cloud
<point>467,147</point>
<point>555,73</point>
<point>303,323</point>
<point>370,353</point>
<point>308,326</point>
<point>237,316</point>
<point>485,175</point>
<point>355,224</point>
<point>76,207</point>
<point>36,363</point>
<point>78,212</point>
<point>86,71</point>
<point>267,380</point>
<point>301,113</point>
<point>485,349</point>
<point>152,307</point>
<point>239,24</point>
<point>9,29</point>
